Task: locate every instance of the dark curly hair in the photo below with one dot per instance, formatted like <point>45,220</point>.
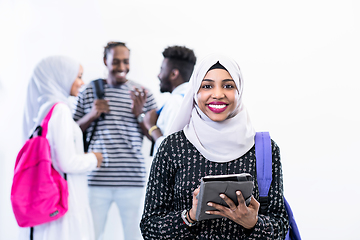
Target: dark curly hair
<point>181,58</point>
<point>111,45</point>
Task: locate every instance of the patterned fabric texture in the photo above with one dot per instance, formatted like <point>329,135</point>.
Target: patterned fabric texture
<point>176,172</point>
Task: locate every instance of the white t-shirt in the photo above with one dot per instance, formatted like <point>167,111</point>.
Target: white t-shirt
<point>169,111</point>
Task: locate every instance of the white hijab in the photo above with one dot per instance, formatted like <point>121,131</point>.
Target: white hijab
<point>50,83</point>
<point>217,141</point>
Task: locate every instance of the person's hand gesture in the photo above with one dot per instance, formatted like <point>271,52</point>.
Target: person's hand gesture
<point>99,106</point>
<point>241,214</point>
<point>139,98</point>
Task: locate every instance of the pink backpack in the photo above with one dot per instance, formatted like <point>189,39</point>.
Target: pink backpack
<point>39,194</point>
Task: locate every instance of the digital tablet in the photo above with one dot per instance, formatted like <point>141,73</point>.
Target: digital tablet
<point>212,186</point>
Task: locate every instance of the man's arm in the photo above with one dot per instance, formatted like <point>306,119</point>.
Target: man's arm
<point>150,120</point>
<point>139,97</point>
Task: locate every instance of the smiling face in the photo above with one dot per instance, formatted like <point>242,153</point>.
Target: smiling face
<point>217,95</point>
<point>117,63</point>
<point>74,91</point>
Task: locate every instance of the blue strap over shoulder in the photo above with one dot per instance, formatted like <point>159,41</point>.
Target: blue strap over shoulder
<point>263,166</point>
<point>159,110</point>
<point>263,154</point>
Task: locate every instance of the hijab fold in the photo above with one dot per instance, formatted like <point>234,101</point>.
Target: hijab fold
<point>50,83</point>
<point>218,141</point>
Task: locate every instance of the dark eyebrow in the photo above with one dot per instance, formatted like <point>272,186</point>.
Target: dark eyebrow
<point>121,60</point>
<point>228,80</point>
<point>224,80</point>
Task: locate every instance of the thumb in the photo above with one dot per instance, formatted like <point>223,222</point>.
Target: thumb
<point>196,192</point>
<point>254,204</point>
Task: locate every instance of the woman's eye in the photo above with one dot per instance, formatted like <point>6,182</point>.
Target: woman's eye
<point>206,86</point>
<point>228,86</point>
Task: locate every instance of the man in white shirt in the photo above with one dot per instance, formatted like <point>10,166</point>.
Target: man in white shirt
<point>175,72</point>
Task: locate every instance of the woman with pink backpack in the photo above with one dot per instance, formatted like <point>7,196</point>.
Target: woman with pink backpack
<point>55,79</point>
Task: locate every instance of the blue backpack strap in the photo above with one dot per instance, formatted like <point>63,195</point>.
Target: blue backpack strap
<point>264,177</point>
<point>159,110</point>
<point>263,154</point>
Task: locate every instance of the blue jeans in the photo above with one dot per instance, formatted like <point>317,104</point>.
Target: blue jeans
<point>129,201</point>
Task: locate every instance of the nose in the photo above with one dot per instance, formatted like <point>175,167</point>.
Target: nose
<point>218,93</point>
<point>122,66</point>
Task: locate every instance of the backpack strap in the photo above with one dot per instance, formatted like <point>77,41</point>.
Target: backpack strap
<point>44,123</point>
<point>31,233</point>
<point>98,86</point>
<point>87,143</point>
<point>264,177</point>
<point>263,154</point>
<point>44,126</point>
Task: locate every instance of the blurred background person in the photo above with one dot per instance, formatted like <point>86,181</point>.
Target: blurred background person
<point>118,136</point>
<point>54,79</point>
<point>175,72</point>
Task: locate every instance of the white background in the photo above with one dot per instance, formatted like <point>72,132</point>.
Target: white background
<point>300,61</point>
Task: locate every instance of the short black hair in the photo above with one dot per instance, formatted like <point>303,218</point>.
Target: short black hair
<point>181,58</point>
<point>111,45</point>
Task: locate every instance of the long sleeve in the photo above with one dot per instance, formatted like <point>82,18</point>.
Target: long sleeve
<point>66,143</point>
<point>160,220</point>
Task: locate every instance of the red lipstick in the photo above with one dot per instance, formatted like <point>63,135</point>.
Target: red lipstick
<point>217,107</point>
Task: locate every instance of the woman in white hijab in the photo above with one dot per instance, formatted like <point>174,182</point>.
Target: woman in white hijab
<point>54,80</point>
<point>213,136</point>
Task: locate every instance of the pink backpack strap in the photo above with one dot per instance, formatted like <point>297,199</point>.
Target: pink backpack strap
<point>44,123</point>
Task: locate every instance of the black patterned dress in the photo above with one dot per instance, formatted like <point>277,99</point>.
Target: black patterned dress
<point>176,172</point>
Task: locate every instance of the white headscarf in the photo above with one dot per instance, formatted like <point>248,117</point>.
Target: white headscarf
<point>217,141</point>
<point>50,83</point>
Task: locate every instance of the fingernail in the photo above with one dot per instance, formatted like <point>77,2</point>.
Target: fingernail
<point>209,204</point>
<point>238,193</point>
<point>207,212</point>
<point>222,195</point>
